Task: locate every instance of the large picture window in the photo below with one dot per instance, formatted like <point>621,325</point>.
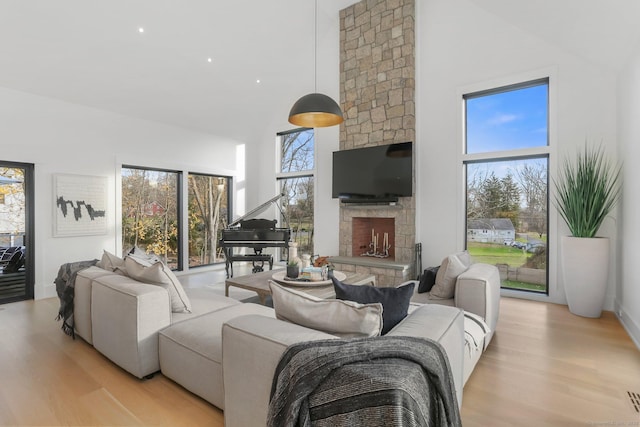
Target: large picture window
<point>150,212</point>
<point>296,180</point>
<point>506,165</point>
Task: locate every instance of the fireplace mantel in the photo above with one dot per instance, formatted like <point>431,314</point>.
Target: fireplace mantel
<point>387,272</point>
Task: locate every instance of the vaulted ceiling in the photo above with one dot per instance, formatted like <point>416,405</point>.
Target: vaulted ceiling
<point>603,31</point>
<point>93,53</point>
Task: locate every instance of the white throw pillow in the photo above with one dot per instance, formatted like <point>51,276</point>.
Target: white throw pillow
<point>451,267</point>
<point>111,262</point>
<point>141,254</point>
<point>464,257</point>
<point>346,319</point>
<point>159,274</point>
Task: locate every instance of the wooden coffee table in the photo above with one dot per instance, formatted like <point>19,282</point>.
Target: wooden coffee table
<point>259,283</point>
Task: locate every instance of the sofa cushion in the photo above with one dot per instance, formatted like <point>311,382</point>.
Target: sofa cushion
<point>203,301</point>
<point>190,352</point>
<point>346,319</point>
<point>159,274</point>
<point>395,301</point>
<point>452,266</point>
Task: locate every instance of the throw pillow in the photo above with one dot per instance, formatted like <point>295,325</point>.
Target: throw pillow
<point>111,262</point>
<point>142,254</point>
<point>159,274</point>
<point>395,301</point>
<point>464,257</point>
<point>345,319</point>
<point>428,279</point>
<point>451,267</point>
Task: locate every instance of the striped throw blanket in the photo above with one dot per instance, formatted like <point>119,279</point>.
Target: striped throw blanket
<point>65,287</point>
<point>381,381</point>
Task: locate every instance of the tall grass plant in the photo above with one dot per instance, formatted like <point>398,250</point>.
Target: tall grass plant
<point>587,190</point>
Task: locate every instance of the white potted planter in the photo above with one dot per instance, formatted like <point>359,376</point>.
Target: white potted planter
<point>585,270</point>
<point>586,192</point>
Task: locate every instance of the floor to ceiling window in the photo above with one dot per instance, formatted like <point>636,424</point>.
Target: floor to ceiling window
<point>208,214</point>
<point>506,163</point>
<point>296,180</point>
<point>150,212</point>
<point>16,231</point>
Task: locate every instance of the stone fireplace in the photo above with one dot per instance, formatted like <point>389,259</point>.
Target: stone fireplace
<point>377,93</point>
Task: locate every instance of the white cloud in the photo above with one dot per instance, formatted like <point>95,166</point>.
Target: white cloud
<point>503,118</point>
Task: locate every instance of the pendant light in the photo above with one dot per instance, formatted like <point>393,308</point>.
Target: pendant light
<point>315,110</point>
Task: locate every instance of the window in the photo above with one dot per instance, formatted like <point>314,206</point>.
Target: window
<point>296,181</point>
<point>150,212</point>
<point>505,164</point>
<point>208,214</point>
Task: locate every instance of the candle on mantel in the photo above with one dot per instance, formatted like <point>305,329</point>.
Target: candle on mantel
<point>372,237</point>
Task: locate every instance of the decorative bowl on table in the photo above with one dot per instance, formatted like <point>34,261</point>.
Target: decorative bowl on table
<point>280,276</point>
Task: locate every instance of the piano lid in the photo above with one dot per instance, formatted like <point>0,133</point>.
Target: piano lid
<point>261,209</point>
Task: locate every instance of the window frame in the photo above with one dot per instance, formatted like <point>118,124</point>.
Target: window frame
<point>307,173</point>
<point>547,151</point>
<point>228,212</point>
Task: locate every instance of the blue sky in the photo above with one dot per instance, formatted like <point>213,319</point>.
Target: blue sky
<point>507,120</point>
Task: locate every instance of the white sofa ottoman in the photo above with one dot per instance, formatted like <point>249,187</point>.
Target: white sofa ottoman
<point>191,351</point>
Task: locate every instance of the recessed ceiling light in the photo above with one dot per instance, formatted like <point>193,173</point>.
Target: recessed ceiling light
<point>258,81</point>
<point>141,30</point>
<point>209,60</point>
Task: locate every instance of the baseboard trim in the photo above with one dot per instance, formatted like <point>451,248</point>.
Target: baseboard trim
<point>632,328</point>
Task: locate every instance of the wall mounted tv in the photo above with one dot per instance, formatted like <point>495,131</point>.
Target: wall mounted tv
<point>373,174</point>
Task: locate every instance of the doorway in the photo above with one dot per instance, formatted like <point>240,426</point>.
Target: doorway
<point>16,231</point>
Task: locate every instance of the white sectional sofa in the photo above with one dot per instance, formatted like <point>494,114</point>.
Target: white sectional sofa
<point>226,351</point>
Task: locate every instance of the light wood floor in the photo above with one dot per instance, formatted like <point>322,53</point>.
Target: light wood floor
<point>544,367</point>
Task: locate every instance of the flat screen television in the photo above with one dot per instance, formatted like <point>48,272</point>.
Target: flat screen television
<point>373,174</point>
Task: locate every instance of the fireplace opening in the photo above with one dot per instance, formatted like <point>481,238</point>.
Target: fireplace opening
<point>373,237</point>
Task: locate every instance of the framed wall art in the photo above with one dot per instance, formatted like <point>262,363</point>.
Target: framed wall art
<point>80,205</point>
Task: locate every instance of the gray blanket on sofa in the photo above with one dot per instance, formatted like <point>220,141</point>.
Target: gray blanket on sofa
<point>65,285</point>
<point>382,381</point>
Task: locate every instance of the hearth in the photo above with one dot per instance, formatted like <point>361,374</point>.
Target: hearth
<point>373,237</point>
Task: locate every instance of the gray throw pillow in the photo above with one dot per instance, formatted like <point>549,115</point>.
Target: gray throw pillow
<point>395,301</point>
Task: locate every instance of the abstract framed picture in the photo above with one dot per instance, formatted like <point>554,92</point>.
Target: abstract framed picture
<point>80,205</point>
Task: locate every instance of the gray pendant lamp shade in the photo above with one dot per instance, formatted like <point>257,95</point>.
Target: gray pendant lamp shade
<point>315,110</point>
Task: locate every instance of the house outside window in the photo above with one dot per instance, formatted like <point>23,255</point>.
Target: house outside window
<point>505,163</point>
<point>295,177</point>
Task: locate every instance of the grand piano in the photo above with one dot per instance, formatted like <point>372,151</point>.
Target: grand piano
<point>255,233</point>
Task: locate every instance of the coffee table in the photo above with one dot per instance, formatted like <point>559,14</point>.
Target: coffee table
<point>259,283</point>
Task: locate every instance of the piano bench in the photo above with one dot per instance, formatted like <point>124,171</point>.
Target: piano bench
<point>253,258</point>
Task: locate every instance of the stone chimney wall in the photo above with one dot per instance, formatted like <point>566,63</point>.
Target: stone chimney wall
<point>377,94</point>
<point>377,73</point>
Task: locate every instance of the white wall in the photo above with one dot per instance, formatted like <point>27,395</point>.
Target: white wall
<point>59,137</point>
<point>461,46</point>
<point>628,289</point>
